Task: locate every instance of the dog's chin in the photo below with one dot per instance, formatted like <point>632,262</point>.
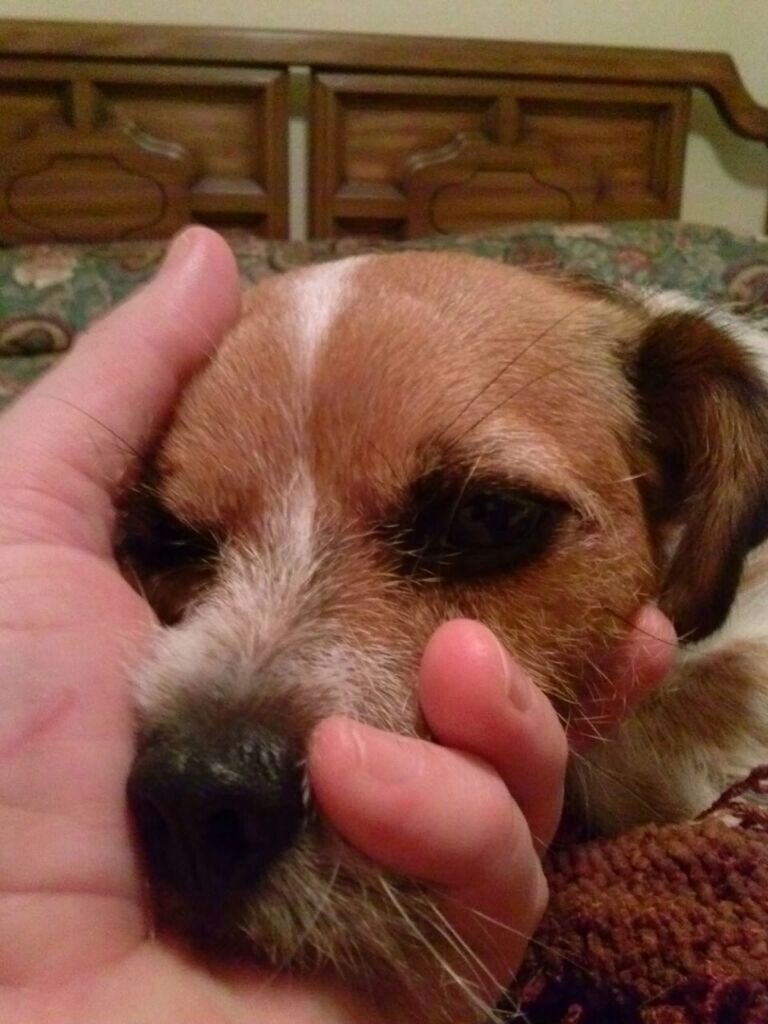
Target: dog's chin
<point>325,910</point>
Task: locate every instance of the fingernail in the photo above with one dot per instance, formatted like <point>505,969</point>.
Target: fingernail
<point>517,685</point>
<point>177,251</point>
<point>382,756</point>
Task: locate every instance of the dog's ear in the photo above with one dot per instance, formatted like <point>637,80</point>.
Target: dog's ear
<point>704,413</point>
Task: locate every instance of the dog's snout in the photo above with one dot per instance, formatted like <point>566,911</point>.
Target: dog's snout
<point>213,814</point>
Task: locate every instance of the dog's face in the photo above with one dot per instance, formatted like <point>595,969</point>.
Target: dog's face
<point>382,444</point>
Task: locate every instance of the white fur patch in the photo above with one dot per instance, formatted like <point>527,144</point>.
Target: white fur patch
<point>662,303</point>
<point>318,296</point>
<point>294,528</point>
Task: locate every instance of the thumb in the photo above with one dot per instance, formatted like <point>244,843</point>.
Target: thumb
<point>67,441</point>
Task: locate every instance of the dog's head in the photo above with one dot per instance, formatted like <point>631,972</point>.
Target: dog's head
<point>382,444</point>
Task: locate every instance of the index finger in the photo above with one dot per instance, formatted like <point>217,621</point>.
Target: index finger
<point>67,441</point>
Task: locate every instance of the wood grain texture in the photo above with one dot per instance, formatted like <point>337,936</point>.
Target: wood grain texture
<point>93,185</point>
<point>65,154</point>
<point>715,73</point>
<point>419,155</point>
<point>407,135</point>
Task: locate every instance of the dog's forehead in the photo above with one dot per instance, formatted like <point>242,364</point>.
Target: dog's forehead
<point>366,361</point>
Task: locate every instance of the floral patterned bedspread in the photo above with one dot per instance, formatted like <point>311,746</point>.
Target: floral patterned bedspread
<point>48,293</point>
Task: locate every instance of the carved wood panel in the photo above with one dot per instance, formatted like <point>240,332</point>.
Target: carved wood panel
<point>410,155</point>
<point>102,152</point>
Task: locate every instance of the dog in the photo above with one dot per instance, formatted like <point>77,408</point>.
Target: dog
<point>387,442</point>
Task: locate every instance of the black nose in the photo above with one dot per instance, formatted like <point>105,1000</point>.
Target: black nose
<point>214,808</point>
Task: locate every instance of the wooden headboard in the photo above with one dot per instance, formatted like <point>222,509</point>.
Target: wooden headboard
<point>122,131</point>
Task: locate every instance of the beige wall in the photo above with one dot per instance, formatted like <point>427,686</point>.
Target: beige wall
<point>726,178</point>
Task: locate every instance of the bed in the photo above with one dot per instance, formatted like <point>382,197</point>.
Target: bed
<point>112,137</point>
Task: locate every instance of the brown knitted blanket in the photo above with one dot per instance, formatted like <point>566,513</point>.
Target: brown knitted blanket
<point>664,925</point>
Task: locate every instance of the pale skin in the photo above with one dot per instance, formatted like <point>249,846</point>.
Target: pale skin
<point>74,943</point>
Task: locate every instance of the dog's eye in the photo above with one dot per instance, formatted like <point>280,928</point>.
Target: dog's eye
<point>478,531</point>
<point>169,560</point>
<point>162,542</point>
